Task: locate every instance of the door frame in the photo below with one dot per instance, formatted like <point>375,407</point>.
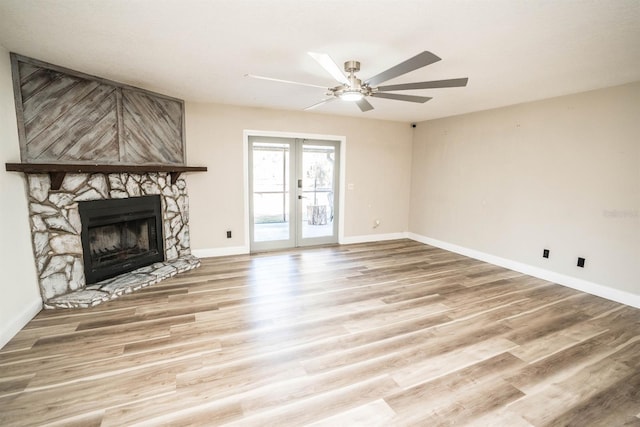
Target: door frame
<point>342,140</point>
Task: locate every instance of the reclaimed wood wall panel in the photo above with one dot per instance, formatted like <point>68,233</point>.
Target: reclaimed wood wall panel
<point>159,143</point>
<point>65,116</point>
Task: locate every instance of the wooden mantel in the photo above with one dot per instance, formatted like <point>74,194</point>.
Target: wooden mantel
<point>57,172</point>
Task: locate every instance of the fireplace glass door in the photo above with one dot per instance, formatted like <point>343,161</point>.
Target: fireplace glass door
<point>120,235</point>
<point>114,243</point>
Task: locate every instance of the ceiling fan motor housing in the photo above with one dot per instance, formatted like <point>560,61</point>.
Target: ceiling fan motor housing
<point>355,84</point>
<point>352,66</point>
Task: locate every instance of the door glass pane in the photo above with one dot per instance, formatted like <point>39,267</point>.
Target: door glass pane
<point>271,191</point>
<point>317,190</point>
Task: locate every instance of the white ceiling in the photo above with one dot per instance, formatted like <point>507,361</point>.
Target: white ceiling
<point>512,50</point>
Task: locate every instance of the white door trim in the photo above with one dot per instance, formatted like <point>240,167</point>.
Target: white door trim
<point>295,135</point>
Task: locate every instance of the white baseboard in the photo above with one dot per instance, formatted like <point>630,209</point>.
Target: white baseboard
<point>372,238</point>
<point>603,291</point>
<point>241,250</point>
<point>9,330</point>
<point>216,252</point>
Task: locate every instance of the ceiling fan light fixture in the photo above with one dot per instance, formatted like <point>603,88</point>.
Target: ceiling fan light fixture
<point>351,96</point>
<point>352,89</point>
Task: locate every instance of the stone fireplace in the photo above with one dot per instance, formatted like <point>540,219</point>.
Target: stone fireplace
<point>108,209</point>
<point>57,232</point>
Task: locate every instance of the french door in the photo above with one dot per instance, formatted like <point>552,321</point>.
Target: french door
<point>293,186</point>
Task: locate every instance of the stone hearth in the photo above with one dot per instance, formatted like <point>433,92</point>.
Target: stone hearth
<point>126,283</point>
<point>56,228</point>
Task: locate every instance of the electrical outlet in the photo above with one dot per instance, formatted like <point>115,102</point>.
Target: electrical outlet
<point>581,262</point>
<point>229,234</point>
<point>545,253</point>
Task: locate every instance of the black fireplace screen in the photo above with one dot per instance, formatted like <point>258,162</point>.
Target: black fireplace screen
<point>120,235</point>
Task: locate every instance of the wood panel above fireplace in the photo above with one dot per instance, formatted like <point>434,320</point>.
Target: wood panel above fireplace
<point>66,116</point>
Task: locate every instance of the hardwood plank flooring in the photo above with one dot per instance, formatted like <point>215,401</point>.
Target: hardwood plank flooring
<point>390,333</point>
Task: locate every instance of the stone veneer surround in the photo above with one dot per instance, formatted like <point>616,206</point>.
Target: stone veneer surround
<point>56,227</point>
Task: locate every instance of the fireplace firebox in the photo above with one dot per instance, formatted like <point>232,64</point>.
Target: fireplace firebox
<point>120,235</point>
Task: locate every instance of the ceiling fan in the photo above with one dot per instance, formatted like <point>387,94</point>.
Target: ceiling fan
<point>353,89</point>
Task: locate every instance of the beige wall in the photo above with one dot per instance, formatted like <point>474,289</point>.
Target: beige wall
<point>562,174</point>
<point>378,162</point>
<point>19,294</point>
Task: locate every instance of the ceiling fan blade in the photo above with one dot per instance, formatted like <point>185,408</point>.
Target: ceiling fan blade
<point>327,63</point>
<point>364,105</point>
<point>317,104</point>
<point>410,98</point>
<point>420,60</point>
<point>253,76</point>
<point>427,85</point>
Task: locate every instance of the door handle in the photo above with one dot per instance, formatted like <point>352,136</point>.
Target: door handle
<point>299,183</point>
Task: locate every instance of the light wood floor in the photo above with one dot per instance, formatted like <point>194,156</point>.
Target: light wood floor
<point>392,333</point>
